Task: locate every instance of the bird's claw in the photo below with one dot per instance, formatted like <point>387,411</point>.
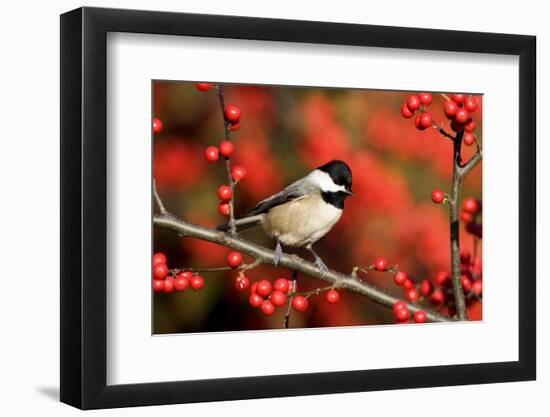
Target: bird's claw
<point>278,254</point>
<point>321,265</point>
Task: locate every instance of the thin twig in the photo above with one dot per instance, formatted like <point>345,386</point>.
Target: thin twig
<point>286,322</point>
<point>227,130</point>
<point>158,200</point>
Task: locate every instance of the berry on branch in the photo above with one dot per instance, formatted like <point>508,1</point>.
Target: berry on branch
<point>211,154</point>
<point>332,296</point>
<point>380,264</point>
<point>438,196</point>
<point>300,303</point>
<point>203,86</point>
<point>159,258</point>
<point>232,113</point>
<point>225,193</point>
<point>234,259</point>
<point>226,148</point>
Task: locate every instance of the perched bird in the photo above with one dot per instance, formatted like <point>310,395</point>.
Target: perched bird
<point>304,211</point>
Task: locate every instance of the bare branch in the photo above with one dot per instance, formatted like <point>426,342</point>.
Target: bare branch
<point>291,262</point>
<point>158,200</point>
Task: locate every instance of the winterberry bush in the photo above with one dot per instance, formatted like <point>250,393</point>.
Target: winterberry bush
<point>425,267</point>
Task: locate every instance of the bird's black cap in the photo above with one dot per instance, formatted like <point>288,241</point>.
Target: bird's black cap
<point>339,171</point>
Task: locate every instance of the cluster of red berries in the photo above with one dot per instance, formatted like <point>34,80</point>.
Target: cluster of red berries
<point>164,282</point>
<point>269,296</point>
<point>418,102</point>
<point>470,214</point>
<point>439,292</point>
<point>412,293</point>
<point>226,148</point>
<point>402,313</point>
<point>458,109</point>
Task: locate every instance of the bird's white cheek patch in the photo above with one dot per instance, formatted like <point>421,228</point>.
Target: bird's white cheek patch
<point>324,182</point>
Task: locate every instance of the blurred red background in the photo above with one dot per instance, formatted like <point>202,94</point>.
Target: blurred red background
<point>285,132</point>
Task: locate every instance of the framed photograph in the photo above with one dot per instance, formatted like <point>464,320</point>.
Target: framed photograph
<point>259,208</point>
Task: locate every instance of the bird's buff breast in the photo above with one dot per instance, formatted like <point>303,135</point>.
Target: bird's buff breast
<point>302,221</point>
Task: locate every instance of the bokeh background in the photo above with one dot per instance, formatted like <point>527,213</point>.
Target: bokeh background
<point>285,132</point>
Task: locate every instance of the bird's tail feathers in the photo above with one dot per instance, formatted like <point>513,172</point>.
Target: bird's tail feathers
<point>243,224</point>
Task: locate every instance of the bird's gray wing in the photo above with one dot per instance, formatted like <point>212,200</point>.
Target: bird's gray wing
<point>294,191</point>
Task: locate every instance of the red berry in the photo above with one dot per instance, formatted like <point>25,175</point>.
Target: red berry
<point>238,172</point>
<point>187,274</point>
<point>450,109</point>
<point>437,297</point>
<point>420,316</point>
<point>181,282</point>
<point>232,113</point>
<point>442,278</point>
<point>332,296</point>
<point>253,288</point>
<point>466,217</point>
<point>203,86</point>
<point>458,98</point>
<point>413,103</point>
<point>300,303</point>
<point>224,208</point>
<point>281,284</point>
<point>408,284</point>
<point>255,300</point>
<point>425,98</point>
<point>425,120</point>
<point>234,259</point>
<point>268,308</point>
<point>470,126</point>
<point>225,193</point>
<point>468,139</point>
<point>402,314</point>
<point>263,288</point>
<point>278,298</point>
<point>426,287</point>
<point>471,205</point>
<point>226,148</point>
<point>466,283</point>
<point>405,112</point>
<point>211,154</point>
<point>235,126</point>
<point>291,286</point>
<point>438,196</point>
<point>470,104</point>
<point>197,282</point>
<point>400,278</point>
<point>160,271</point>
<point>418,122</point>
<point>242,283</point>
<point>157,125</point>
<point>462,116</point>
<point>159,258</point>
<point>477,287</point>
<point>412,294</point>
<point>380,264</point>
<point>158,285</point>
<point>168,285</point>
<point>398,305</point>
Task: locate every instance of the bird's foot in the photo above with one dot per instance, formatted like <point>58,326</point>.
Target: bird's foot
<point>278,254</point>
<point>321,265</point>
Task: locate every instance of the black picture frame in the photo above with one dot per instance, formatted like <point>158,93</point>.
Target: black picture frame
<point>84,207</point>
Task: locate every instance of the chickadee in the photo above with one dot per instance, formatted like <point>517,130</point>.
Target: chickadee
<point>304,211</point>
